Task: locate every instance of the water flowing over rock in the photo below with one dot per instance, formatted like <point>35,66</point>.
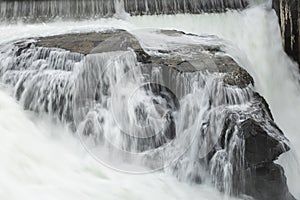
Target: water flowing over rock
<point>44,10</point>
<point>288,14</point>
<point>190,108</point>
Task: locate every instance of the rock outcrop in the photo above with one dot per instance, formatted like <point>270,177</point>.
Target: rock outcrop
<point>288,14</point>
<point>248,139</point>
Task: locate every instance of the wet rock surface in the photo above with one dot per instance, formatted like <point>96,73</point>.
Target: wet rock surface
<point>288,15</point>
<point>268,182</point>
<point>263,141</point>
<point>204,57</point>
<point>82,43</point>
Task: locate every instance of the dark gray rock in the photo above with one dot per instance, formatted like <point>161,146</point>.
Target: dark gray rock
<point>268,182</point>
<point>82,43</point>
<point>91,43</point>
<point>288,15</point>
<point>263,140</point>
<point>205,58</point>
<point>119,41</point>
<point>256,175</point>
<point>260,148</point>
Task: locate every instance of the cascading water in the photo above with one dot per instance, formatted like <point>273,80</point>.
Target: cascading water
<point>79,91</point>
<point>90,93</point>
<point>276,76</point>
<point>44,10</point>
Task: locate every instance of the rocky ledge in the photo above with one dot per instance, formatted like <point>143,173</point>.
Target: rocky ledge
<point>120,40</point>
<point>263,141</point>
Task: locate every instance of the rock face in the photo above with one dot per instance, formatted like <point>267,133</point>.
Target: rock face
<point>80,43</point>
<point>268,182</point>
<point>249,141</point>
<point>263,179</point>
<point>288,13</point>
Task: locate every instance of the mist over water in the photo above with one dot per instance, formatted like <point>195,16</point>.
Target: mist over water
<point>43,159</point>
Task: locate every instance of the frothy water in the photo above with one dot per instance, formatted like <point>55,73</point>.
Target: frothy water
<point>74,167</point>
<point>40,159</point>
<point>256,34</point>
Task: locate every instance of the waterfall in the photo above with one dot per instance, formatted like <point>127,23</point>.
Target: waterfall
<point>174,120</point>
<point>181,6</point>
<point>261,53</point>
<point>36,10</point>
<point>45,10</point>
<point>45,159</point>
<point>141,114</point>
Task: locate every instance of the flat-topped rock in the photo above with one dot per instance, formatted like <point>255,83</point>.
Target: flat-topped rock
<point>246,114</point>
<point>82,43</point>
<point>204,57</point>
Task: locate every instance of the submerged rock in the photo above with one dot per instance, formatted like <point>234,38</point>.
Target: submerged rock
<point>73,77</point>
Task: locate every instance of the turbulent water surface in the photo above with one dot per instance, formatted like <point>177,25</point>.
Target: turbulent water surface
<point>41,158</point>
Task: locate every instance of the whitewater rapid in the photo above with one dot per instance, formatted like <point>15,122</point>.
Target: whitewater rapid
<point>40,159</point>
<point>254,41</point>
<point>43,159</point>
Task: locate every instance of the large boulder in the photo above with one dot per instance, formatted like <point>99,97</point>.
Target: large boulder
<point>247,138</point>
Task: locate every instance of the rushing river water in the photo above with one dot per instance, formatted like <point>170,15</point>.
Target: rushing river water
<point>42,159</point>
